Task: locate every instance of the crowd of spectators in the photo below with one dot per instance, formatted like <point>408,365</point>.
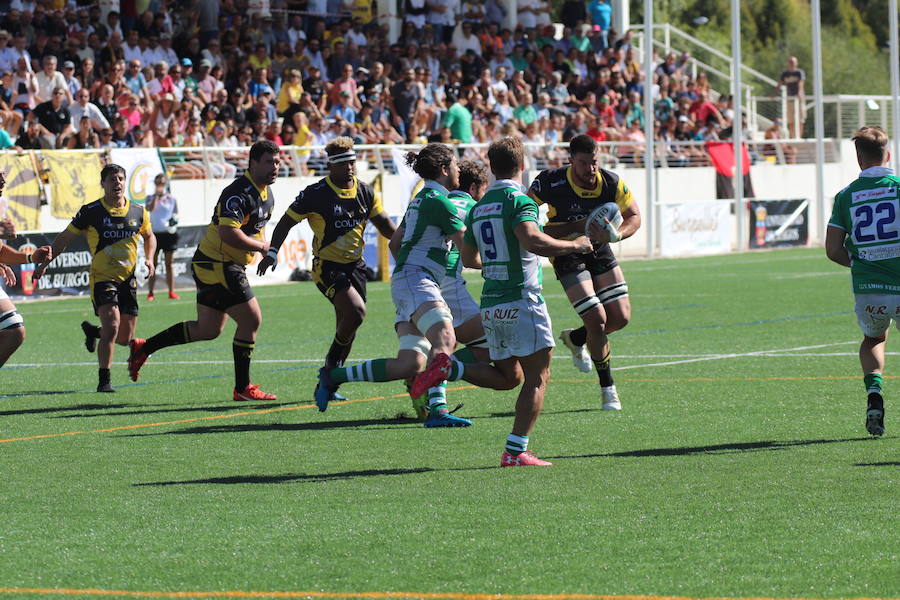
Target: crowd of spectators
<point>207,73</point>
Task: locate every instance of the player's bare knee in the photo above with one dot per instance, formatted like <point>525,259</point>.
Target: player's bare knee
<point>616,322</point>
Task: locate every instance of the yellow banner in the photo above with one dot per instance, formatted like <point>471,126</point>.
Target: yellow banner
<point>74,180</point>
<point>21,200</point>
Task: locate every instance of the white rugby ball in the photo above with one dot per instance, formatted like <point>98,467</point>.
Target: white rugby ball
<point>606,216</point>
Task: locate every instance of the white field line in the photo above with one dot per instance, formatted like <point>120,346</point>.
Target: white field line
<point>683,358</point>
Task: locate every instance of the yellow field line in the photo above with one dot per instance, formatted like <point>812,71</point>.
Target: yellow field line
<point>367,595</point>
<point>210,418</point>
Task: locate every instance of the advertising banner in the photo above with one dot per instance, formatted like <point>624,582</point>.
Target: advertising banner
<point>775,223</point>
<point>141,166</point>
<point>695,228</point>
<point>21,199</point>
<point>74,181</point>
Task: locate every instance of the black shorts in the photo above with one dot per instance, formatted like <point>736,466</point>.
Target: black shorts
<point>597,262</point>
<point>121,293</point>
<point>333,277</point>
<point>165,241</point>
<point>220,285</point>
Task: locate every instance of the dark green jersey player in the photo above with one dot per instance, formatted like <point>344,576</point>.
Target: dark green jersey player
<point>864,235</point>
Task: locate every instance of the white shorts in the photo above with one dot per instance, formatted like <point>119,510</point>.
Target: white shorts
<point>3,294</point>
<point>459,300</point>
<point>411,288</point>
<point>875,311</point>
<point>518,328</point>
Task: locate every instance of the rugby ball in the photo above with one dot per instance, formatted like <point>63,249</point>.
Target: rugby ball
<point>606,216</point>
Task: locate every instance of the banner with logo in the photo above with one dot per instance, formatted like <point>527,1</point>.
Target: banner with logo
<point>21,199</point>
<point>775,223</point>
<point>695,228</point>
<point>74,181</point>
<point>141,166</point>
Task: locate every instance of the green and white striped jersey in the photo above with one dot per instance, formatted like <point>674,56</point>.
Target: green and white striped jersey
<point>510,272</point>
<point>869,211</point>
<point>463,203</point>
<point>430,218</point>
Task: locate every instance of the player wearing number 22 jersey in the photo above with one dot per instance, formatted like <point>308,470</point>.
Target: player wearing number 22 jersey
<point>864,234</point>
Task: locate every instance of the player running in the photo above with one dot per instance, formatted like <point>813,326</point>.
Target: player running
<point>503,239</point>
<point>338,208</point>
<point>474,355</point>
<point>12,326</point>
<point>864,235</point>
<point>593,282</point>
<point>234,235</point>
<point>112,226</point>
<point>424,323</point>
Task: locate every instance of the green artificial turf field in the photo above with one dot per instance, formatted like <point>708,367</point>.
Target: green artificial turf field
<point>739,466</point>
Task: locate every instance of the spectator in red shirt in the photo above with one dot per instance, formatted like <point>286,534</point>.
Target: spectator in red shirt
<point>702,110</point>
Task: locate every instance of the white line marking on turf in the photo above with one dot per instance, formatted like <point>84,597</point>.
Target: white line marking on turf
<point>756,353</point>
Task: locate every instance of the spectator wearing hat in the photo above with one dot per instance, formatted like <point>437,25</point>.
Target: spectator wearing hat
<point>206,83</point>
<point>163,112</point>
<point>343,109</point>
<point>72,83</point>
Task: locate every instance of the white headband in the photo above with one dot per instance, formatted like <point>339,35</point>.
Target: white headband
<point>348,156</point>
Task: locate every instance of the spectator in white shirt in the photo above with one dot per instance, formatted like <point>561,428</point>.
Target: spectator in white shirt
<point>464,39</point>
<point>501,61</point>
<point>8,55</point>
<point>112,23</point>
<point>132,48</point>
<point>295,31</point>
<point>166,52</point>
<point>356,35</point>
<point>152,52</point>
<point>82,107</point>
<point>213,54</point>
<point>49,79</point>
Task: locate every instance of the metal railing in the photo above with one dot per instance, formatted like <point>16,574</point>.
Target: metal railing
<point>207,162</point>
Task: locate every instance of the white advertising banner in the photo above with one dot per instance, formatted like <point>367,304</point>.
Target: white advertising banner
<point>141,166</point>
<point>295,253</point>
<point>695,228</point>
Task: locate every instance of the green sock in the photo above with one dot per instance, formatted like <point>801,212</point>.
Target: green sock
<point>464,355</point>
<point>457,369</point>
<point>872,382</point>
<point>437,398</point>
<point>371,370</point>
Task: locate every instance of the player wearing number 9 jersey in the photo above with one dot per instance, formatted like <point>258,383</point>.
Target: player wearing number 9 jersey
<point>864,235</point>
<point>503,239</point>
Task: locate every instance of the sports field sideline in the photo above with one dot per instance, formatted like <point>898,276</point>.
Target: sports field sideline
<point>739,466</point>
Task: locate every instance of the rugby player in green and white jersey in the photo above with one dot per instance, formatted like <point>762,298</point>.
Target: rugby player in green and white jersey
<point>424,324</point>
<point>504,239</point>
<point>864,235</point>
<point>474,355</point>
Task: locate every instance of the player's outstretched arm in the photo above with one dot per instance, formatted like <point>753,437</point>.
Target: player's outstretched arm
<point>384,225</point>
<point>279,234</point>
<point>17,257</point>
<point>59,244</point>
<point>534,240</point>
<point>834,246</point>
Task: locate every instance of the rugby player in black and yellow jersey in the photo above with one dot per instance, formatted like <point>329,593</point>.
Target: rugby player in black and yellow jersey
<point>594,282</point>
<point>337,208</point>
<point>235,234</point>
<point>112,226</point>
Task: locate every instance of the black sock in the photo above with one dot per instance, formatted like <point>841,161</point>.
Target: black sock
<point>173,336</point>
<point>338,352</point>
<point>92,329</point>
<point>103,376</point>
<point>579,336</point>
<point>242,351</point>
<point>603,370</point>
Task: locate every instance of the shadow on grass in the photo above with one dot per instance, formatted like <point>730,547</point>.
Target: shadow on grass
<point>733,448</point>
<point>256,427</point>
<point>186,409</point>
<point>55,409</point>
<point>287,478</point>
<point>512,414</point>
<point>879,464</point>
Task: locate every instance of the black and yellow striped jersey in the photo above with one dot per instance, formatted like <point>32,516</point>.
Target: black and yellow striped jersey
<point>567,201</point>
<point>242,205</point>
<point>112,237</point>
<point>337,217</point>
